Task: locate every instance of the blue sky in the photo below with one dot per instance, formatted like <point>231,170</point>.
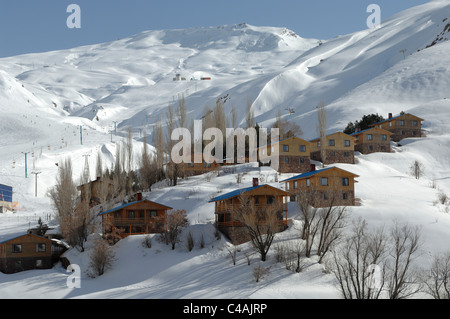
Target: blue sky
<point>28,26</point>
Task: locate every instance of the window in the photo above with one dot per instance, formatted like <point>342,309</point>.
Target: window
<point>152,213</point>
<point>17,248</point>
<point>332,154</point>
<point>295,184</point>
<point>370,147</point>
<point>346,154</point>
<point>344,196</point>
<point>116,215</point>
<point>308,182</point>
<point>331,143</point>
<point>324,181</point>
<point>369,137</point>
<point>302,148</point>
<point>40,248</point>
<point>345,181</point>
<point>347,143</point>
<point>301,160</point>
<point>285,148</point>
<point>390,124</point>
<point>414,123</point>
<point>325,196</point>
<point>401,122</point>
<point>39,263</point>
<point>131,214</point>
<point>270,200</point>
<point>384,137</point>
<point>286,160</point>
<point>318,144</point>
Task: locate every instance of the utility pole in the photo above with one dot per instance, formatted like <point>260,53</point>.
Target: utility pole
<point>81,134</point>
<point>26,168</point>
<point>115,128</point>
<point>35,182</point>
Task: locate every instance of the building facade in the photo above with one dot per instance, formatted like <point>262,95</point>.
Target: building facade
<point>402,126</point>
<point>339,148</point>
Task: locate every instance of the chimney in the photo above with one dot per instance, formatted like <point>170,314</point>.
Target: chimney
<point>255,182</point>
<point>390,115</point>
<point>138,196</point>
<point>313,167</point>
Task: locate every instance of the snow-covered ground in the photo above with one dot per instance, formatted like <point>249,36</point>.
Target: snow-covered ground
<point>45,98</point>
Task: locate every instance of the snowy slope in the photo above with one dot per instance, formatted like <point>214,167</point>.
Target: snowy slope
<point>45,98</point>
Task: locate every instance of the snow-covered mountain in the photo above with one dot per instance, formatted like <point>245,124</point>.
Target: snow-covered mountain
<point>402,66</point>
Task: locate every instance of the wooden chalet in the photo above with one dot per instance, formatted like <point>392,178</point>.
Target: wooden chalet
<point>135,218</point>
<point>194,169</point>
<point>328,185</point>
<point>372,140</point>
<point>339,148</point>
<point>27,252</point>
<point>294,154</point>
<point>402,126</point>
<point>261,197</point>
<point>95,189</point>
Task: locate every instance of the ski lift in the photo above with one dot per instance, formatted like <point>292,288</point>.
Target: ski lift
<point>290,110</point>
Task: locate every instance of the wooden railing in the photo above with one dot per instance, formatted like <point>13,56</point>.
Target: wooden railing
<point>227,208</point>
<point>134,221</point>
<point>239,224</point>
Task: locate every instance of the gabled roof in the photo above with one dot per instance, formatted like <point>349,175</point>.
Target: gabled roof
<point>340,133</point>
<point>238,192</point>
<point>373,128</point>
<point>37,236</point>
<point>397,117</point>
<point>285,139</point>
<point>130,204</point>
<point>313,173</point>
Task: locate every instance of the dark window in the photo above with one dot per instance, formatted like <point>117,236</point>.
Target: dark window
<point>41,247</point>
<point>286,160</point>
<point>331,143</point>
<point>302,148</point>
<point>131,214</point>
<point>17,248</point>
<point>344,196</point>
<point>152,213</point>
<point>270,200</point>
<point>384,137</point>
<point>285,148</point>
<point>347,143</point>
<point>324,181</point>
<point>345,181</point>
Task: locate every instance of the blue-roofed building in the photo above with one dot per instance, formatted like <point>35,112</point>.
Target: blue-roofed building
<point>263,199</point>
<point>372,140</point>
<point>322,188</point>
<point>6,197</point>
<point>135,218</point>
<point>401,126</point>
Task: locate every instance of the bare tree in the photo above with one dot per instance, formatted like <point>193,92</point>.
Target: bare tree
<point>403,278</point>
<point>437,283</point>
<point>64,195</point>
<point>234,123</point>
<point>99,167</point>
<point>287,128</point>
<point>147,169</point>
<point>159,144</point>
<point>101,258</point>
<point>181,112</point>
<point>417,169</point>
<point>261,223</point>
<point>322,120</point>
<point>176,221</point>
<point>250,115</point>
<point>356,264</point>
<point>369,263</point>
